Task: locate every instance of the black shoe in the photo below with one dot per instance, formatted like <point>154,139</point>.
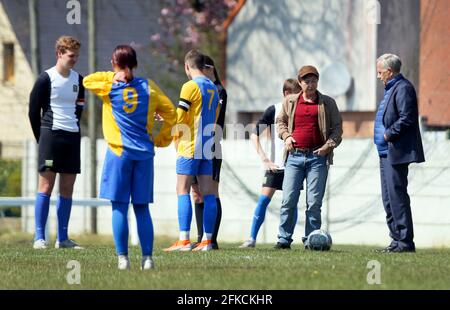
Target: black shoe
<point>215,246</point>
<point>386,249</point>
<point>283,246</point>
<point>402,250</point>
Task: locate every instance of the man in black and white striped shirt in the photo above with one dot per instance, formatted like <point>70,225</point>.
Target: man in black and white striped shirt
<point>56,104</point>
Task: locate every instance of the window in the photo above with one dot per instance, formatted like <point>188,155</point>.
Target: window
<point>8,62</point>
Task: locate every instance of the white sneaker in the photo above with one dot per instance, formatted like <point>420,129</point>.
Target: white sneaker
<point>40,244</point>
<point>124,262</point>
<point>147,263</point>
<point>250,243</point>
<point>67,244</point>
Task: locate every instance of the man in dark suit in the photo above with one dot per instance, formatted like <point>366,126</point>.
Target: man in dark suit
<point>398,141</point>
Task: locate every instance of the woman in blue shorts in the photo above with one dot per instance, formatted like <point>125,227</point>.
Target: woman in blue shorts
<point>130,106</point>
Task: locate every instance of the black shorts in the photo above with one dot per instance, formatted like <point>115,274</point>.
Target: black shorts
<point>59,151</point>
<point>217,165</point>
<point>274,179</point>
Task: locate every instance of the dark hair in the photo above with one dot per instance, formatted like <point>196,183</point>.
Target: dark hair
<point>210,62</point>
<point>124,56</point>
<point>195,59</point>
<point>292,86</point>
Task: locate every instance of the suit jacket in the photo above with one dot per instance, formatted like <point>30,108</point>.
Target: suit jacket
<point>401,120</point>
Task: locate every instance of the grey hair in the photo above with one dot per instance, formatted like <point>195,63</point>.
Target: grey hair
<point>390,61</point>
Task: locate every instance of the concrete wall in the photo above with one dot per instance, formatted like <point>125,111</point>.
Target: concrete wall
<point>14,124</point>
<point>399,33</point>
<point>352,210</point>
<point>269,41</point>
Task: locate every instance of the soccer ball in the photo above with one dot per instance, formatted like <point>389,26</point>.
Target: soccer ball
<point>319,240</point>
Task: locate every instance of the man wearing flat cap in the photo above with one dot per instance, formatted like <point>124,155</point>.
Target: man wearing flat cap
<point>311,127</point>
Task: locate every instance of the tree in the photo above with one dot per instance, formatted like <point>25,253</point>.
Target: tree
<point>190,24</point>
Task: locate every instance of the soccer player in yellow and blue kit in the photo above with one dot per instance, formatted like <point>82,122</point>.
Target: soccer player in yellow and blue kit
<point>129,108</point>
<point>194,136</point>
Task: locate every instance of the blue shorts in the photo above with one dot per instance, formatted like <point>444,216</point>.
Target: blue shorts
<point>122,178</point>
<point>192,166</point>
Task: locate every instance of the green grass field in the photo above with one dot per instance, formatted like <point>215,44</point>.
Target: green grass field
<point>344,267</point>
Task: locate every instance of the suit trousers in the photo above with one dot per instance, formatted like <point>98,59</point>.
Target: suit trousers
<point>396,202</point>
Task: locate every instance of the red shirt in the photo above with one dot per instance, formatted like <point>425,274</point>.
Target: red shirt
<point>306,125</point>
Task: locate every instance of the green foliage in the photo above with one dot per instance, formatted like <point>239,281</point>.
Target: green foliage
<point>10,183</point>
